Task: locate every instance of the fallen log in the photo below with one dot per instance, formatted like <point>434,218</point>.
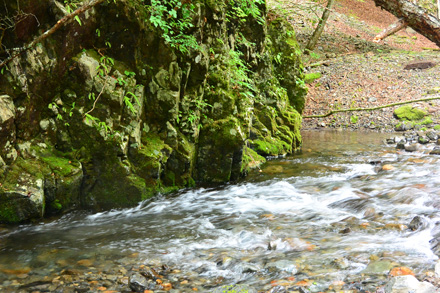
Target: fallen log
<point>392,29</point>
<point>415,16</point>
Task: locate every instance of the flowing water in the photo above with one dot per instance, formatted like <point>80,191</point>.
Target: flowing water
<point>324,218</point>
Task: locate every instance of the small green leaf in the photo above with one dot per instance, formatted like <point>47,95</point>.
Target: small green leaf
<point>78,19</point>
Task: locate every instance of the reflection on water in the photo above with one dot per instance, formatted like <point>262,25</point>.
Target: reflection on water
<point>324,215</point>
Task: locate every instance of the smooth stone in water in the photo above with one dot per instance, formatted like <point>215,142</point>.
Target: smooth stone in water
<point>408,283</point>
<point>417,223</point>
<point>284,265</point>
<point>378,267</point>
<point>432,135</point>
<point>411,147</point>
<point>435,151</point>
<point>400,145</point>
<point>423,139</point>
<point>235,288</point>
<point>138,283</point>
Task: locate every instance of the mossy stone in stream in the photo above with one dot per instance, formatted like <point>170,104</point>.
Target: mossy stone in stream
<point>409,113</point>
<point>381,267</point>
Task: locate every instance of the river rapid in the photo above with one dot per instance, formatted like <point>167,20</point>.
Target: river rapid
<point>338,216</point>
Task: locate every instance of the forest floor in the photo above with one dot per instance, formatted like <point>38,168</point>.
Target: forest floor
<point>357,73</point>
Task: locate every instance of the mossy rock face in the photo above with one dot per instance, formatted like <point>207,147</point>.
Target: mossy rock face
<point>162,117</point>
<point>22,192</point>
<point>251,160</point>
<point>110,185</point>
<point>220,151</point>
<point>287,63</point>
<point>409,113</point>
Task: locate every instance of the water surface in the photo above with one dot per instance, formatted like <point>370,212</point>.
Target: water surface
<point>326,216</point>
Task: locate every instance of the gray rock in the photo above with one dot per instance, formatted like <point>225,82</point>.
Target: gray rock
<point>283,265</point>
<point>399,139</point>
<point>44,124</point>
<point>138,283</point>
<point>404,126</point>
<point>435,151</point>
<point>235,288</point>
<point>250,268</point>
<point>423,139</point>
<point>417,223</point>
<point>381,267</point>
<point>7,109</point>
<point>411,147</point>
<point>340,263</point>
<point>26,200</point>
<point>400,145</point>
<point>88,67</point>
<point>406,284</point>
<point>390,141</point>
<point>432,135</point>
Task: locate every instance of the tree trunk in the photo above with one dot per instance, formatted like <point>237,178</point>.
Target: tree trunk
<point>318,31</point>
<point>392,29</point>
<point>416,17</point>
<point>438,9</point>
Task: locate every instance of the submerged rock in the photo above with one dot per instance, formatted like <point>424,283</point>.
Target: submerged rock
<point>138,283</point>
<point>418,223</point>
<point>283,265</point>
<point>240,288</point>
<point>408,283</point>
<point>381,267</point>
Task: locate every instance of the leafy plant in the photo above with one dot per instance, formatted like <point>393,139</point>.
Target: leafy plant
<point>174,18</point>
<point>239,74</point>
<point>242,9</point>
<point>72,6</point>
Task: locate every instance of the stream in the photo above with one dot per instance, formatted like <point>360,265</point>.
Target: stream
<point>326,219</point>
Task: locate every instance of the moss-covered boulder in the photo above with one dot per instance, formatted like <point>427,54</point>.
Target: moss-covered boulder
<point>409,113</point>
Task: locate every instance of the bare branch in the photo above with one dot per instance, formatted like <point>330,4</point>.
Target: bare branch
<point>52,30</point>
<point>392,29</point>
<point>370,109</point>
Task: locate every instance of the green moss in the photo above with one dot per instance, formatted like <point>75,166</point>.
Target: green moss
<point>251,160</point>
<point>7,211</point>
<point>56,205</point>
<point>310,77</point>
<point>189,182</point>
<point>270,146</point>
<point>409,113</point>
<point>437,127</point>
<point>428,120</point>
<point>59,165</point>
<point>154,147</point>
